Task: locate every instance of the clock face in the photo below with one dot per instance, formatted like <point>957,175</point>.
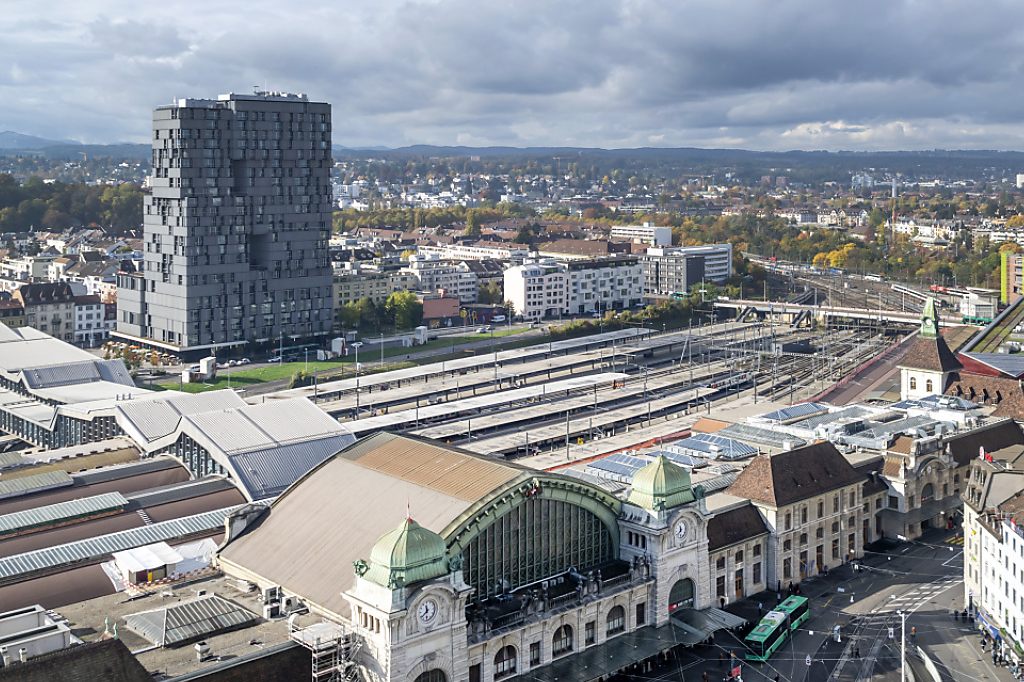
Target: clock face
<point>680,530</point>
<point>427,610</point>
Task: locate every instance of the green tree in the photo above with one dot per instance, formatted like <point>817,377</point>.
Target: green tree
<point>472,224</point>
<point>404,309</point>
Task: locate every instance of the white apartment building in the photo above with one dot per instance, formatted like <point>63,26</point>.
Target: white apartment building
<point>578,287</point>
<point>994,540</point>
<point>514,253</point>
<point>91,324</point>
<point>537,290</point>
<point>643,234</point>
<point>604,284</point>
<point>436,274</point>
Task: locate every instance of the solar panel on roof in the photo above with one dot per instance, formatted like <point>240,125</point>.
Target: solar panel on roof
<point>795,411</point>
<point>686,460</point>
<point>761,436</point>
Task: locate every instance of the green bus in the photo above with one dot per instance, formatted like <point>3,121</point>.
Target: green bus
<point>770,634</point>
<point>796,608</point>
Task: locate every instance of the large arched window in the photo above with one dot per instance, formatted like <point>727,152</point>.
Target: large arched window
<point>681,595</point>
<point>536,539</point>
<point>505,662</point>
<point>927,493</point>
<point>561,643</point>
<point>616,620</point>
<point>435,675</point>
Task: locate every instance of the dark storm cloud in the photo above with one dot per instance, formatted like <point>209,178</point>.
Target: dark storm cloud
<point>776,75</point>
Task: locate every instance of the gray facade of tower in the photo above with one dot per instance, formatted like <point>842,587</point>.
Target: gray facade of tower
<point>235,227</point>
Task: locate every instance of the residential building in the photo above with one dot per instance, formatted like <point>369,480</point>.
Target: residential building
<point>236,226</point>
<point>91,328</point>
<point>993,539</point>
<point>49,307</point>
<point>514,253</point>
<point>478,591</point>
<point>677,269</point>
<point>1011,277</point>
<point>27,268</point>
<point>12,314</point>
<point>811,502</point>
<point>437,275</point>
<point>353,283</point>
<point>537,290</point>
<point>602,284</point>
<point>643,234</point>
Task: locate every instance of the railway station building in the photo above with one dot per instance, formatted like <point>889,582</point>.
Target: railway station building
<point>433,564</point>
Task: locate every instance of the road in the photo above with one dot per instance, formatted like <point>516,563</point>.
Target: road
<point>923,578</point>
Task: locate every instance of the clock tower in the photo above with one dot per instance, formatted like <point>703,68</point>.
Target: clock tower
<point>664,525</point>
<point>408,605</point>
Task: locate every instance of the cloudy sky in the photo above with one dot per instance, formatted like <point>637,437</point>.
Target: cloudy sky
<point>778,74</point>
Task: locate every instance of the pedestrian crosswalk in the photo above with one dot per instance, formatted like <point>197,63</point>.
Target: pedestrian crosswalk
<point>913,599</point>
<point>955,540</point>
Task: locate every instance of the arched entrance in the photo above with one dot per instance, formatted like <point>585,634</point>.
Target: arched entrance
<point>681,595</point>
<point>435,675</point>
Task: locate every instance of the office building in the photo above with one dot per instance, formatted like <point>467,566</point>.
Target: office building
<point>675,270</point>
<point>236,226</point>
<point>643,234</point>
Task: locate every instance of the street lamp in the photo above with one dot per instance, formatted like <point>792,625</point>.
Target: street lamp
<point>357,345</point>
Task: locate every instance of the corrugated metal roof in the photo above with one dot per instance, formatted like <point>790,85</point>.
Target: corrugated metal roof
<point>38,350</point>
<point>10,459</point>
<point>105,545</point>
<point>267,473</point>
<point>34,483</point>
<point>448,471</point>
<point>52,513</point>
<point>188,621</point>
<point>268,425</point>
<point>158,415</point>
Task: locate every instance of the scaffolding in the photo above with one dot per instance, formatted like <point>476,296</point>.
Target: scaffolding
<point>332,650</point>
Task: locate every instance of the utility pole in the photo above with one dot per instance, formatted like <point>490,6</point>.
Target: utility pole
<point>903,646</point>
<point>567,435</point>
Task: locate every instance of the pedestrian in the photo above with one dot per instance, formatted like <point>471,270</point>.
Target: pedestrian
<point>778,597</point>
<point>913,632</point>
<point>705,677</point>
<point>856,651</point>
<point>760,608</point>
<point>721,659</point>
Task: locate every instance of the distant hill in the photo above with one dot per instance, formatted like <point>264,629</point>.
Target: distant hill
<point>12,140</point>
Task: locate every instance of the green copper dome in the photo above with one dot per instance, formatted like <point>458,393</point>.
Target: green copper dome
<point>661,485</point>
<point>405,555</point>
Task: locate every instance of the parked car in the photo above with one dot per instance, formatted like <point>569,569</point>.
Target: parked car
<point>245,361</point>
<point>276,358</point>
<point>481,330</point>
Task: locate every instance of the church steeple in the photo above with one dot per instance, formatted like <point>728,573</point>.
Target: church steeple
<point>929,320</point>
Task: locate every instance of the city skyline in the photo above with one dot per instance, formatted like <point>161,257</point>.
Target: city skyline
<point>610,74</point>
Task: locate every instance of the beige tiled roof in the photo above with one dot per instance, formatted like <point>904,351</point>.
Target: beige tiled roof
<point>335,513</point>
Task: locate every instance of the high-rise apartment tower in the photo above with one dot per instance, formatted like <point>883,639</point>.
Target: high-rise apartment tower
<point>236,226</point>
